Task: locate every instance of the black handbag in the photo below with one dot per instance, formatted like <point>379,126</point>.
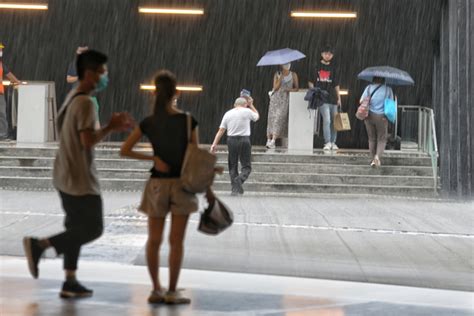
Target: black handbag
<point>216,218</point>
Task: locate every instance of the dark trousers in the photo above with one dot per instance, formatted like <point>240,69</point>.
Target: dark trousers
<point>3,117</point>
<point>83,224</point>
<point>240,149</point>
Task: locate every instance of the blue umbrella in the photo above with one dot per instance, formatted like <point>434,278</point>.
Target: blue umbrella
<point>393,76</point>
<point>280,57</point>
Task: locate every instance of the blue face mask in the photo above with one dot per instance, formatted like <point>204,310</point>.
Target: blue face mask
<point>103,83</point>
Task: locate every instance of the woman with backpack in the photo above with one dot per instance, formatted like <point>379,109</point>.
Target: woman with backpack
<point>166,129</point>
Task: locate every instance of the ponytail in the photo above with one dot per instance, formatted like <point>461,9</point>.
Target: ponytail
<point>165,83</point>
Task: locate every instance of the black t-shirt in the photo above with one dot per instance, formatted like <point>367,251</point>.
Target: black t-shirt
<point>72,71</point>
<point>326,79</point>
<point>168,136</point>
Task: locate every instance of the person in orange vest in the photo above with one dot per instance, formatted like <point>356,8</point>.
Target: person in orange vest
<point>4,130</point>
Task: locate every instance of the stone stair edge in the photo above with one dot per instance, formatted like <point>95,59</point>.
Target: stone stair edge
<point>249,182</point>
<point>225,162</point>
<point>273,193</point>
<point>343,153</point>
<point>253,172</point>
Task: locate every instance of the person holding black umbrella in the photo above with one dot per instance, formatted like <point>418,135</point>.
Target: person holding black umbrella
<point>376,123</point>
<point>375,95</point>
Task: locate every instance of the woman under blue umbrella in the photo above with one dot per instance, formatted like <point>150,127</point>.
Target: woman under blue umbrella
<point>377,96</point>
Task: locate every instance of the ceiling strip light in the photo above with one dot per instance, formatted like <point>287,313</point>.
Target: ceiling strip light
<point>23,6</point>
<point>180,88</point>
<point>7,82</point>
<point>170,11</point>
<point>321,14</point>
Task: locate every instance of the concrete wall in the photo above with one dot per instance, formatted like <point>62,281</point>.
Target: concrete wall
<point>453,95</point>
<point>220,50</point>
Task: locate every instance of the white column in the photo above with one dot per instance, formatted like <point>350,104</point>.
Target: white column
<point>34,112</point>
<point>300,124</point>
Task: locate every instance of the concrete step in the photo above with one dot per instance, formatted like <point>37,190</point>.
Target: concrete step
<point>318,157</point>
<point>263,167</point>
<point>45,183</point>
<point>256,177</point>
<point>276,171</point>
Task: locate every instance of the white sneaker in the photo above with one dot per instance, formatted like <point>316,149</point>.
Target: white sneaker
<point>269,141</point>
<point>327,147</point>
<point>334,146</point>
<point>271,145</point>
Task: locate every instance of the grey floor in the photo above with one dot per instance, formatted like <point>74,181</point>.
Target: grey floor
<point>122,290</point>
<point>420,243</point>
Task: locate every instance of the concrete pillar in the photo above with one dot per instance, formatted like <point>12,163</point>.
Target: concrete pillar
<point>453,92</point>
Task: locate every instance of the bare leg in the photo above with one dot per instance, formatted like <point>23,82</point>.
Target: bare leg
<point>178,230</point>
<point>155,232</point>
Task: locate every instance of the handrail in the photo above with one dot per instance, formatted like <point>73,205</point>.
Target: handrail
<point>427,140</point>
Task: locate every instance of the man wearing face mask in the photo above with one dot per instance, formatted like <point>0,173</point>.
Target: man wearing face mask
<point>4,128</point>
<point>326,80</point>
<point>75,176</point>
<point>284,82</point>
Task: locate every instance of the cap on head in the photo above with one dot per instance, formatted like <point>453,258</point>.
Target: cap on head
<point>245,93</point>
<point>240,102</point>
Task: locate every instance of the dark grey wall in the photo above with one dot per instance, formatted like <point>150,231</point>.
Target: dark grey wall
<point>454,86</point>
<point>220,49</point>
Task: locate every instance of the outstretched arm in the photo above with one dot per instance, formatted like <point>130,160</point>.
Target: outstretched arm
<point>12,78</point>
<point>217,139</point>
<point>338,93</point>
<point>118,123</point>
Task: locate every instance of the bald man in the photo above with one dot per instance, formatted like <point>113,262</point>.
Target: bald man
<point>237,124</point>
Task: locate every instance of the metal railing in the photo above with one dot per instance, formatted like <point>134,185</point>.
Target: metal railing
<point>426,134</point>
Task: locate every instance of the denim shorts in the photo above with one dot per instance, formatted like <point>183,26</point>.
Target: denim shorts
<point>163,195</point>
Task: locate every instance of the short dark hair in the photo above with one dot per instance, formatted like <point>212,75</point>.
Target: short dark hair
<point>378,80</point>
<point>327,49</point>
<point>89,60</point>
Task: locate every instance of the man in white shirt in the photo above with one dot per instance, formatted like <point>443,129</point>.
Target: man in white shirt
<point>237,124</point>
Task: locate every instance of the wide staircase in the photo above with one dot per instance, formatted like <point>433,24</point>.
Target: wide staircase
<point>345,172</point>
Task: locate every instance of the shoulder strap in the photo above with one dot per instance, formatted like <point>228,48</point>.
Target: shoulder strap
<point>373,92</point>
<point>72,98</point>
<point>63,110</point>
<point>188,126</point>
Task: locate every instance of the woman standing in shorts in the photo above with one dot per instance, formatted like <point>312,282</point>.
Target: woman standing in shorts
<point>166,130</point>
